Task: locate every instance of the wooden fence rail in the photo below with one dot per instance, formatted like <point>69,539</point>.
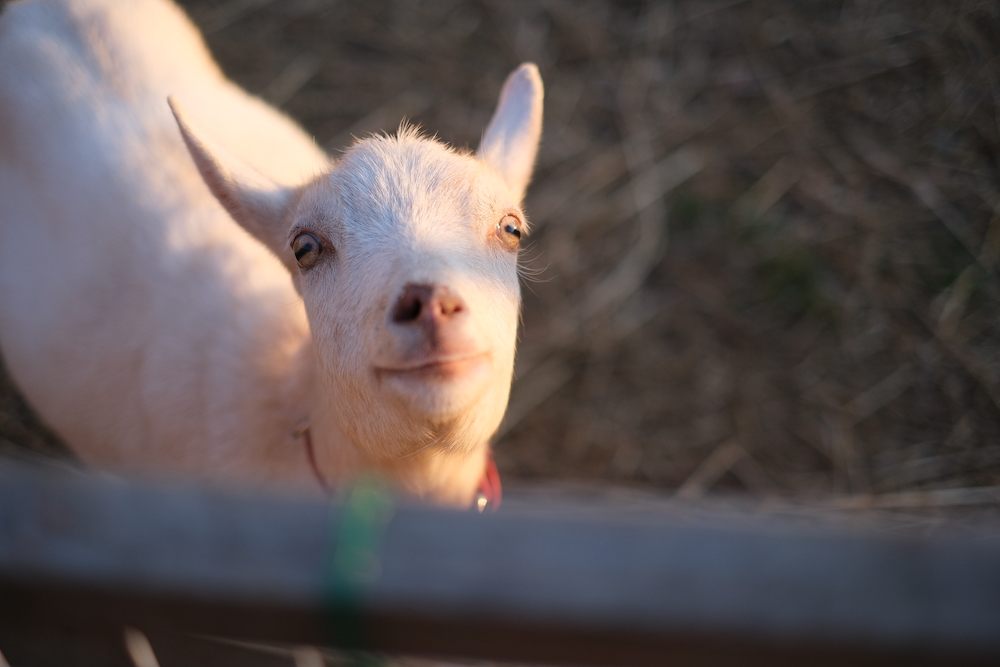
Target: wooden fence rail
<point>83,553</point>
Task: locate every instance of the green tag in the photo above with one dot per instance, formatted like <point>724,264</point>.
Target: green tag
<point>356,564</point>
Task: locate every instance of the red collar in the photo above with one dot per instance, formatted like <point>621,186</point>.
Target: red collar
<point>490,492</point>
<point>488,496</point>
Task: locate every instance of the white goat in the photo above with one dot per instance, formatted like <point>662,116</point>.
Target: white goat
<point>373,299</point>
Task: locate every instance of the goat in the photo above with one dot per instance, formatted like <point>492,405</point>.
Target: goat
<point>189,302</point>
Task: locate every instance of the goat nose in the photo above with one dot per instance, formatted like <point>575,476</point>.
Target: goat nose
<point>426,303</point>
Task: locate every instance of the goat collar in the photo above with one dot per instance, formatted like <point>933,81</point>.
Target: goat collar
<point>489,494</point>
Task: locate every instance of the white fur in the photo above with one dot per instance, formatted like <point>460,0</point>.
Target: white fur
<point>157,335</point>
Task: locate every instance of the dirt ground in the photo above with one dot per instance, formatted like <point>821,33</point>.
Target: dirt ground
<point>767,235</point>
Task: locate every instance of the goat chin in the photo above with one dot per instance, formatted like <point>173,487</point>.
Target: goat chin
<point>183,288</point>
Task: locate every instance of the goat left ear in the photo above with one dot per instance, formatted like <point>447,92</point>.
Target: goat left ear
<point>510,142</point>
<point>257,203</point>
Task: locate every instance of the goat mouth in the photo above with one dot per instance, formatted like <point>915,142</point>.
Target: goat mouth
<point>437,368</point>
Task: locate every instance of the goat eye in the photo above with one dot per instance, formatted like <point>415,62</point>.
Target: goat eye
<point>509,231</point>
<point>307,250</point>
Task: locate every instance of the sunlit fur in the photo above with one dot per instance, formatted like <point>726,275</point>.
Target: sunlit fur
<point>156,335</point>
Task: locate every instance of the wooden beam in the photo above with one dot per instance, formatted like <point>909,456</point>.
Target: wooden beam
<point>80,551</point>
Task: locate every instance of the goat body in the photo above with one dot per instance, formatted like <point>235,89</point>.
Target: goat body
<point>185,302</point>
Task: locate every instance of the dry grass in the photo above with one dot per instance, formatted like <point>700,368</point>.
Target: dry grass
<point>767,233</point>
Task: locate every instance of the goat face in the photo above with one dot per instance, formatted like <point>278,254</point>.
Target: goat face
<point>405,254</point>
<point>411,291</point>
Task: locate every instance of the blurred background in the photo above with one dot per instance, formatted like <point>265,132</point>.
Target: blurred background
<point>766,234</point>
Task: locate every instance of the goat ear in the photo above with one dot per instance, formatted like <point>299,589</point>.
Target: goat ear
<point>256,202</point>
<point>510,142</point>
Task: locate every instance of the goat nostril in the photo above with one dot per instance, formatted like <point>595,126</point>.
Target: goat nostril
<point>412,303</point>
<point>448,304</point>
<point>407,308</point>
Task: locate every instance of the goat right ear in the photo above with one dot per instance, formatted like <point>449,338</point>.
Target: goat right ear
<point>510,142</point>
<point>259,204</point>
